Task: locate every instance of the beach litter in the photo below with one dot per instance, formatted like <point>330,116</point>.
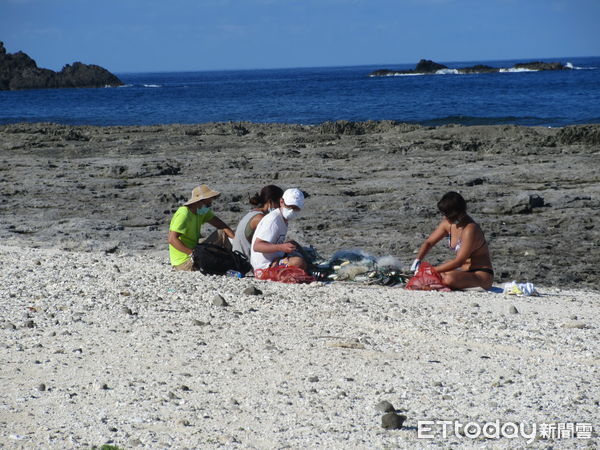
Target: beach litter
<point>427,279</point>
<point>520,289</point>
<point>284,274</point>
<point>358,266</point>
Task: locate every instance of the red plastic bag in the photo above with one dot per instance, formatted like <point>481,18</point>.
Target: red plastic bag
<point>284,274</point>
<point>426,279</point>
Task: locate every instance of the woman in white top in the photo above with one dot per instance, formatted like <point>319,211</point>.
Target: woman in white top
<point>264,202</point>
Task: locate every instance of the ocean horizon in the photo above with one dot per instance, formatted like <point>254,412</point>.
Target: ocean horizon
<point>370,65</point>
<point>313,95</point>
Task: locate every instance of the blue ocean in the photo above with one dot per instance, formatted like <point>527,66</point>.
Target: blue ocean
<point>315,95</point>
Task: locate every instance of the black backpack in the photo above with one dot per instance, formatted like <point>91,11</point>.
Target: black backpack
<point>212,259</point>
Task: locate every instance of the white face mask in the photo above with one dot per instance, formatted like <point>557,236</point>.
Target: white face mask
<point>288,213</point>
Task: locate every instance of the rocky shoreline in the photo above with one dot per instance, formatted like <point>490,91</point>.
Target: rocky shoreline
<point>373,185</point>
<point>18,71</point>
<point>428,67</point>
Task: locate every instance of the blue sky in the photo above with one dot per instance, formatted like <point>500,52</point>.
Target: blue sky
<point>150,35</point>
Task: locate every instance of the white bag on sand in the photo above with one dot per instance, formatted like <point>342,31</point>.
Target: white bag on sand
<point>514,288</point>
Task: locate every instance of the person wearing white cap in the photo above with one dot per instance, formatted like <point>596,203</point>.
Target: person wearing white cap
<point>269,247</point>
<point>185,226</point>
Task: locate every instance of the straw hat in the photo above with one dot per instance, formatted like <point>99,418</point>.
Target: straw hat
<point>202,192</point>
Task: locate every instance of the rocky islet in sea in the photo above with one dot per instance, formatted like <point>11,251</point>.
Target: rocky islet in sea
<point>18,71</point>
<point>425,67</point>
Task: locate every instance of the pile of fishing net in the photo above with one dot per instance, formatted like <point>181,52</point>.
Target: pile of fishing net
<point>359,266</point>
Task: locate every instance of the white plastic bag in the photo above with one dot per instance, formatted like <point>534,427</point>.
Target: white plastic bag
<point>514,288</point>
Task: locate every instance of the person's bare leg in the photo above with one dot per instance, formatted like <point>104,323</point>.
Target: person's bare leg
<point>297,261</point>
<point>457,279</point>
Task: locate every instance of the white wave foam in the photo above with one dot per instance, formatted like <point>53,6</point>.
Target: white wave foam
<point>397,74</point>
<point>152,85</point>
<point>125,85</point>
<point>515,70</point>
<point>447,72</point>
<point>571,66</point>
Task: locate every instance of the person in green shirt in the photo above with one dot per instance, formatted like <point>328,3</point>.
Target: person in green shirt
<point>184,230</point>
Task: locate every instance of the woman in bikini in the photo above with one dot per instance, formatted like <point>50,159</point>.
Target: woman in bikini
<point>472,265</point>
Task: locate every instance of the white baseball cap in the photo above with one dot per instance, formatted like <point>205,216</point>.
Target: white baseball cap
<point>293,197</point>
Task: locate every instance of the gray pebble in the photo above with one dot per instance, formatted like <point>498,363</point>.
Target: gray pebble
<point>475,305</point>
<point>30,324</point>
<point>135,443</point>
<point>313,379</point>
<point>513,310</point>
<point>9,326</point>
<point>199,323</point>
<point>251,290</point>
<point>385,407</point>
<point>447,397</point>
<point>574,324</point>
<point>126,310</point>
<point>41,387</point>
<point>392,421</point>
<point>218,300</point>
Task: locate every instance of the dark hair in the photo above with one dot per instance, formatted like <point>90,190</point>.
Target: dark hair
<point>452,205</point>
<point>268,193</point>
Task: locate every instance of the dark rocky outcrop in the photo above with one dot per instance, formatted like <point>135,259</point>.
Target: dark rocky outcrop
<point>479,68</point>
<point>538,65</point>
<point>426,66</point>
<point>423,66</point>
<point>580,134</point>
<point>19,71</point>
<point>385,73</point>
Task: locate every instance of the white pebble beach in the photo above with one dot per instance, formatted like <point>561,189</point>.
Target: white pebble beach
<point>118,349</point>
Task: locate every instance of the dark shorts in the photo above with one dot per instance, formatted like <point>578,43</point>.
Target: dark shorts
<point>485,270</point>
